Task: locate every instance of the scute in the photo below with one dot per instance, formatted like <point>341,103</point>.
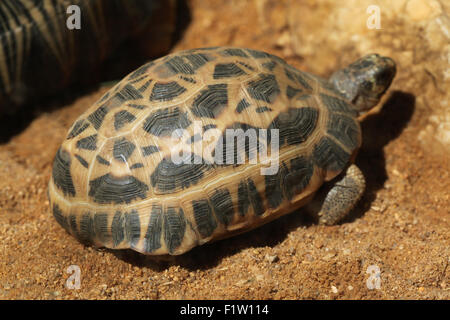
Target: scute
<point>61,173</point>
<point>122,189</point>
<point>330,156</point>
<point>60,217</point>
<point>121,118</point>
<point>165,121</point>
<point>166,91</point>
<point>170,176</point>
<point>265,88</point>
<point>204,218</point>
<point>187,63</point>
<point>123,149</point>
<point>295,125</point>
<point>153,235</point>
<point>88,143</point>
<point>78,128</point>
<point>101,227</point>
<point>174,228</point>
<point>223,205</point>
<point>96,118</point>
<point>211,101</point>
<point>227,70</point>
<point>337,105</point>
<point>345,130</point>
<point>110,189</point>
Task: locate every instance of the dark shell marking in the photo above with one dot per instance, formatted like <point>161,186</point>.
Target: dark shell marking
<point>242,105</point>
<point>295,125</point>
<point>121,118</point>
<point>227,70</point>
<point>110,189</point>
<point>78,128</point>
<point>174,228</point>
<point>164,122</point>
<point>123,149</point>
<point>248,196</point>
<point>211,101</point>
<point>187,64</point>
<point>61,174</point>
<point>126,226</point>
<point>289,181</point>
<point>96,118</point>
<point>153,234</point>
<point>60,217</point>
<point>170,177</point>
<point>83,161</point>
<point>103,161</point>
<point>265,88</point>
<point>171,207</point>
<point>166,91</point>
<point>88,143</point>
<point>203,215</point>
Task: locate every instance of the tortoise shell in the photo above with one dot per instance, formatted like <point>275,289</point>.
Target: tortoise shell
<point>41,53</point>
<point>116,183</point>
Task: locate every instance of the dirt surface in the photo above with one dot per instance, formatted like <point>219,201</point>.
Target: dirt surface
<point>400,228</point>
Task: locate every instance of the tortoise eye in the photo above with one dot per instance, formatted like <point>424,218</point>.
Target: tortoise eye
<point>383,76</point>
<point>366,85</point>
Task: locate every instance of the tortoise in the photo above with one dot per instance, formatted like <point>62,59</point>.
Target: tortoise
<point>172,156</point>
<point>42,50</point>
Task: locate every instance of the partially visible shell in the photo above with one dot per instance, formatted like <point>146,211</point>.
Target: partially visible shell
<point>39,54</point>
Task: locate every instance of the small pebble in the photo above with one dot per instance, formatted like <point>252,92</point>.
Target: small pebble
<point>272,258</point>
<point>241,282</point>
<point>328,257</point>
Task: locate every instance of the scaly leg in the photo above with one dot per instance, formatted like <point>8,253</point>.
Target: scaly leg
<point>342,196</point>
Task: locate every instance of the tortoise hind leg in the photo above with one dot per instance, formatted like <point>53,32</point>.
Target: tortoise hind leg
<point>342,196</point>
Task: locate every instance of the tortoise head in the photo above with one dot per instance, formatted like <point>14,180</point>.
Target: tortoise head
<point>364,81</point>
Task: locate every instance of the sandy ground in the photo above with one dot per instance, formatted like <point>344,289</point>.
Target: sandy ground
<point>400,229</point>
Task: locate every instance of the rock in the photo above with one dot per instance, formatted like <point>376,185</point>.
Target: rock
<point>271,258</point>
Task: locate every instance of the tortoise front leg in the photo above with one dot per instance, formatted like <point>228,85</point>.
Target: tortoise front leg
<point>342,196</point>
